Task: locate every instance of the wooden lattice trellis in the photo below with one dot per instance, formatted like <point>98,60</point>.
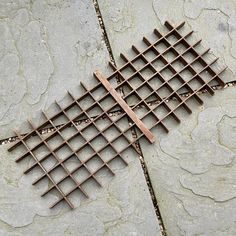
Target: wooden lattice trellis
<point>161,71</point>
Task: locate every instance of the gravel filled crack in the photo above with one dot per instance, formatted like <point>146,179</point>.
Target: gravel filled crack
<point>149,184</point>
<point>143,165</point>
<point>114,113</point>
<point>103,29</point>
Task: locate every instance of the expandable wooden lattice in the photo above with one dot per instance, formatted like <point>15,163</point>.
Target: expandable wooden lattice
<point>163,70</point>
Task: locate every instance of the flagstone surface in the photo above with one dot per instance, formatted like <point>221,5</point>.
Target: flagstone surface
<point>192,169</point>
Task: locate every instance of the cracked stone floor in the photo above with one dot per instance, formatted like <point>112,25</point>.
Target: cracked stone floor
<point>46,48</point>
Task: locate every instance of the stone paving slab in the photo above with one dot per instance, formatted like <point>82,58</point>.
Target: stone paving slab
<point>122,207</point>
<point>46,48</point>
<point>126,22</point>
<point>193,169</point>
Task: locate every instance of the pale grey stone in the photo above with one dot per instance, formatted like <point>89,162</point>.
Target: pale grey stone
<point>192,169</point>
<point>19,200</point>
<point>46,48</point>
<point>127,22</point>
<point>122,206</point>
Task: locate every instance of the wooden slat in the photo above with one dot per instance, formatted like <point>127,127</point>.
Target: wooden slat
<point>149,135</point>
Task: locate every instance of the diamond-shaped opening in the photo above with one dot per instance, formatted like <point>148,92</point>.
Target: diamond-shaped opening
<point>159,129</point>
<point>86,102</point>
<point>58,173</point>
<point>158,64</point>
<point>94,111</point>
<point>213,82</point>
<point>146,73</point>
<point>49,162</point>
<point>113,78</point>
<point>79,120</point>
<point>170,56</point>
<point>127,89</point>
<point>55,141</point>
<point>102,123</point>
<point>94,163</point>
<point>111,133</point>
<point>132,97</point>
<point>155,82</point>
<point>141,111</point>
<point>85,153</point>
<point>41,151</point>
<point>163,92</point>
<point>161,111</point>
<point>90,131</point>
<point>63,152</point>
<point>197,66</point>
<point>189,56</point>
<point>167,74</point>
<point>175,83</point>
<point>122,123</point>
<point>107,154</point>
<point>73,112</point>
<point>33,141</point>
<point>144,91</point>
<point>107,103</point>
<point>128,135</point>
<point>72,163</point>
<point>139,63</point>
<point>99,92</point>
<point>67,185</point>
<point>183,90</point>
<point>186,75</point>
<point>178,65</point>
<point>181,48</point>
<point>208,57</point>
<point>77,195</point>
<point>206,75</point>
<point>150,55</point>
<point>117,163</point>
<point>172,39</point>
<point>173,103</point>
<point>98,142</point>
<point>149,120</point>
<point>61,119</point>
<point>120,144</point>
<point>191,101</point>
<point>136,81</point>
<point>81,174</point>
<point>161,47</point>
<point>127,71</point>
<point>195,84</point>
<point>77,142</point>
<point>68,132</point>
<point>153,97</point>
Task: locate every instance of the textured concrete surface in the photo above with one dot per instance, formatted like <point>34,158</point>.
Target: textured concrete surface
<point>49,46</point>
<point>192,169</point>
<point>122,207</point>
<point>127,22</point>
<point>46,48</point>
